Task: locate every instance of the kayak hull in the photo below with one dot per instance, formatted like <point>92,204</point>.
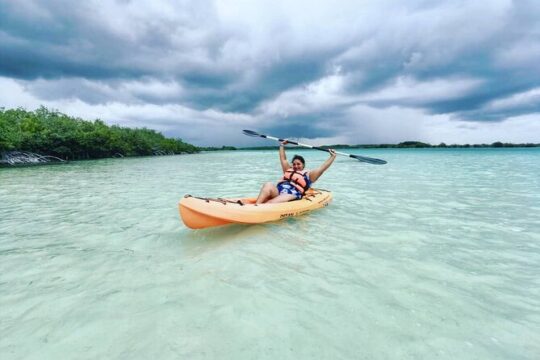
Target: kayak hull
<point>200,213</point>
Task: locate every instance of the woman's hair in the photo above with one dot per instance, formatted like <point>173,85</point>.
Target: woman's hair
<point>298,157</point>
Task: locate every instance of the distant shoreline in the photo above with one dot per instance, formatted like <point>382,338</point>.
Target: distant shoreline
<point>403,145</point>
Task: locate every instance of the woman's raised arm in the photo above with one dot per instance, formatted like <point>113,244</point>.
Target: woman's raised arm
<point>282,158</point>
<point>315,174</point>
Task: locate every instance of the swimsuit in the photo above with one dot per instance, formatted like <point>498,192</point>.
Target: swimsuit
<point>286,188</point>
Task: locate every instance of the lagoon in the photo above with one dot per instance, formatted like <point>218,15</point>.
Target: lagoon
<point>434,255</point>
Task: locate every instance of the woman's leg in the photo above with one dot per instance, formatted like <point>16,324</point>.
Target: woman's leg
<point>268,191</point>
<point>281,198</point>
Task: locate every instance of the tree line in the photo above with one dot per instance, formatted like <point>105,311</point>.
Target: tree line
<point>50,132</point>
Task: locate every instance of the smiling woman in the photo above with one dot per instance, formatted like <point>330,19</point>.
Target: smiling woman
<point>296,180</point>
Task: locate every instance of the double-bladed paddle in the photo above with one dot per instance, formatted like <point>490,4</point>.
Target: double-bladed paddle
<point>357,157</point>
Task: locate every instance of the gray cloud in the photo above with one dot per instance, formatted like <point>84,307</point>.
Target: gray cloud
<point>290,67</point>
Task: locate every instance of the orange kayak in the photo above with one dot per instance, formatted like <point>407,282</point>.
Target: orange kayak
<point>200,213</point>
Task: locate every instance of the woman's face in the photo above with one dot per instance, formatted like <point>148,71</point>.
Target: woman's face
<point>297,165</point>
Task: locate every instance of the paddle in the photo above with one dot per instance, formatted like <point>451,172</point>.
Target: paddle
<point>357,157</point>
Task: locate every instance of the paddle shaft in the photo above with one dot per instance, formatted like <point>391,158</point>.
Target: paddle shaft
<point>308,146</point>
<point>303,145</point>
<point>357,157</point>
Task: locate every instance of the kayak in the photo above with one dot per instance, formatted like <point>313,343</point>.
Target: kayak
<point>200,213</point>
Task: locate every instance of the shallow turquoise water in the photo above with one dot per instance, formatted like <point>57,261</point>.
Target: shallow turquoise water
<point>435,255</point>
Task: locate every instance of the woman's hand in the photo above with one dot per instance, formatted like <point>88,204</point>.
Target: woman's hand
<point>284,142</point>
<point>316,173</point>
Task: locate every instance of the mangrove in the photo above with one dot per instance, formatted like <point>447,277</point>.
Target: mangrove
<point>51,133</point>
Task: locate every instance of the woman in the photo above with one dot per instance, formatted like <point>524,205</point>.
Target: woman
<point>295,181</point>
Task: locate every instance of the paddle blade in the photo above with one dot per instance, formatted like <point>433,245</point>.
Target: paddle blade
<point>368,159</point>
<point>251,133</point>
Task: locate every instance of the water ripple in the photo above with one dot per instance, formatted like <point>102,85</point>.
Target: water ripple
<point>436,254</point>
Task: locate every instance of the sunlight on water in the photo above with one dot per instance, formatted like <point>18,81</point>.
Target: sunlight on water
<point>434,255</point>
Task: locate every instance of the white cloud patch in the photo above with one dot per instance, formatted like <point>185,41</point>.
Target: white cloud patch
<point>330,93</point>
<point>521,100</point>
<point>102,92</point>
<point>407,90</point>
<point>320,95</point>
<point>524,54</point>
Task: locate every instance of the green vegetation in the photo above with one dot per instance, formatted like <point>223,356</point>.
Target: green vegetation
<point>52,133</point>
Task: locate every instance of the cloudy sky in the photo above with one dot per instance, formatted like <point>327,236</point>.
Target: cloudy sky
<point>323,71</point>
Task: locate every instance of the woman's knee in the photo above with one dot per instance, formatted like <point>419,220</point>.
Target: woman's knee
<point>269,187</point>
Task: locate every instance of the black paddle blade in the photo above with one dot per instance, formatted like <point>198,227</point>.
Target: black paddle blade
<point>251,133</point>
<point>368,159</point>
